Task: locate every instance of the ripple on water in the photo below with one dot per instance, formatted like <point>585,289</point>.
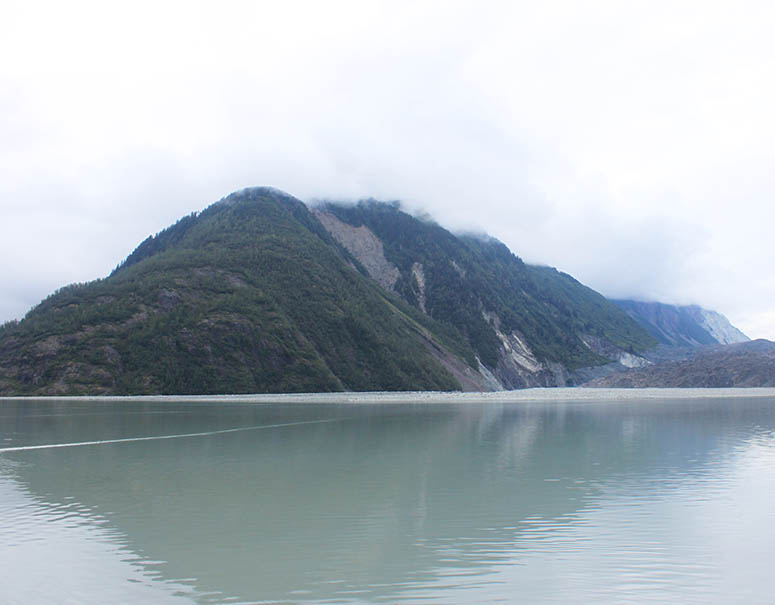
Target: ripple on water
<point>666,502</point>
<point>61,550</point>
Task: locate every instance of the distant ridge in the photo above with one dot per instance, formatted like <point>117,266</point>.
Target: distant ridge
<point>747,364</point>
<point>683,325</point>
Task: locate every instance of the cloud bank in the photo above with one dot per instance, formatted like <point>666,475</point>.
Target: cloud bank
<point>628,144</point>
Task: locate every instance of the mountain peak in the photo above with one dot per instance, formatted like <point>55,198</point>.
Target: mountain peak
<point>257,192</point>
<point>256,293</point>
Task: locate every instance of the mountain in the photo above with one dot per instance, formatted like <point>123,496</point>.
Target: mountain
<point>747,364</point>
<point>250,295</point>
<point>257,293</point>
<point>687,326</point>
<point>528,325</point>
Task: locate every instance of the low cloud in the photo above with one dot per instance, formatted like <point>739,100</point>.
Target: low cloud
<point>627,145</point>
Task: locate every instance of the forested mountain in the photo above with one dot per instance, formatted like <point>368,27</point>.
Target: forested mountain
<point>257,293</point>
<point>528,325</point>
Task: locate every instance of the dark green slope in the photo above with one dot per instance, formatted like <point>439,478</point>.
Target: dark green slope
<point>477,285</point>
<point>250,295</point>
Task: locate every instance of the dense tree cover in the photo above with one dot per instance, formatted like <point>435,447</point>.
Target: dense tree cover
<point>244,297</point>
<point>470,281</point>
<point>254,295</point>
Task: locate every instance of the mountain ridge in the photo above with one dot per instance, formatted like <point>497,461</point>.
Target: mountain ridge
<point>241,297</point>
<point>456,277</point>
<point>687,325</point>
<point>260,293</point>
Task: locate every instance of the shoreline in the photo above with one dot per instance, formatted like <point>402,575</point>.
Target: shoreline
<point>534,395</point>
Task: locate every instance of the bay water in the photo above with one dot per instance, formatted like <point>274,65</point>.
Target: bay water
<point>552,496</point>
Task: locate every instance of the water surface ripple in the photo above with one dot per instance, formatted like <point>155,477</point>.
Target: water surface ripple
<point>621,499</point>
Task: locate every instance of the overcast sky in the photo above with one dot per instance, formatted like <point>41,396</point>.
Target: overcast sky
<point>627,143</point>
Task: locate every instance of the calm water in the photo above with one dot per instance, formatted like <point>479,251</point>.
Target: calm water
<point>464,501</point>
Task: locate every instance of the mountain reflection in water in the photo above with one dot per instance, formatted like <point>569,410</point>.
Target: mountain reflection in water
<point>634,500</point>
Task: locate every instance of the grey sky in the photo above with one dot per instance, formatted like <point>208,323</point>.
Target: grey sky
<point>627,143</point>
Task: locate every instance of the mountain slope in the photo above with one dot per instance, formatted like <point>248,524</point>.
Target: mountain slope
<point>682,325</point>
<point>529,326</point>
<point>251,295</point>
<point>257,293</point>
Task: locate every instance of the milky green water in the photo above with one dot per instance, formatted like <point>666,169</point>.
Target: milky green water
<point>622,497</point>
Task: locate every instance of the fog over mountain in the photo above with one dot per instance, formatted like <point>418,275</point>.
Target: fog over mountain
<point>628,144</point>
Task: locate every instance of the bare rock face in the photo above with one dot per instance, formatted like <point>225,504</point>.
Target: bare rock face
<point>364,246</point>
<point>419,278</point>
<point>470,380</point>
<point>605,349</point>
<point>518,367</point>
<point>719,327</point>
<point>748,364</point>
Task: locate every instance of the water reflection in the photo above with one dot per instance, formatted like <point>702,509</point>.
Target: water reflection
<point>62,552</point>
<point>455,503</point>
